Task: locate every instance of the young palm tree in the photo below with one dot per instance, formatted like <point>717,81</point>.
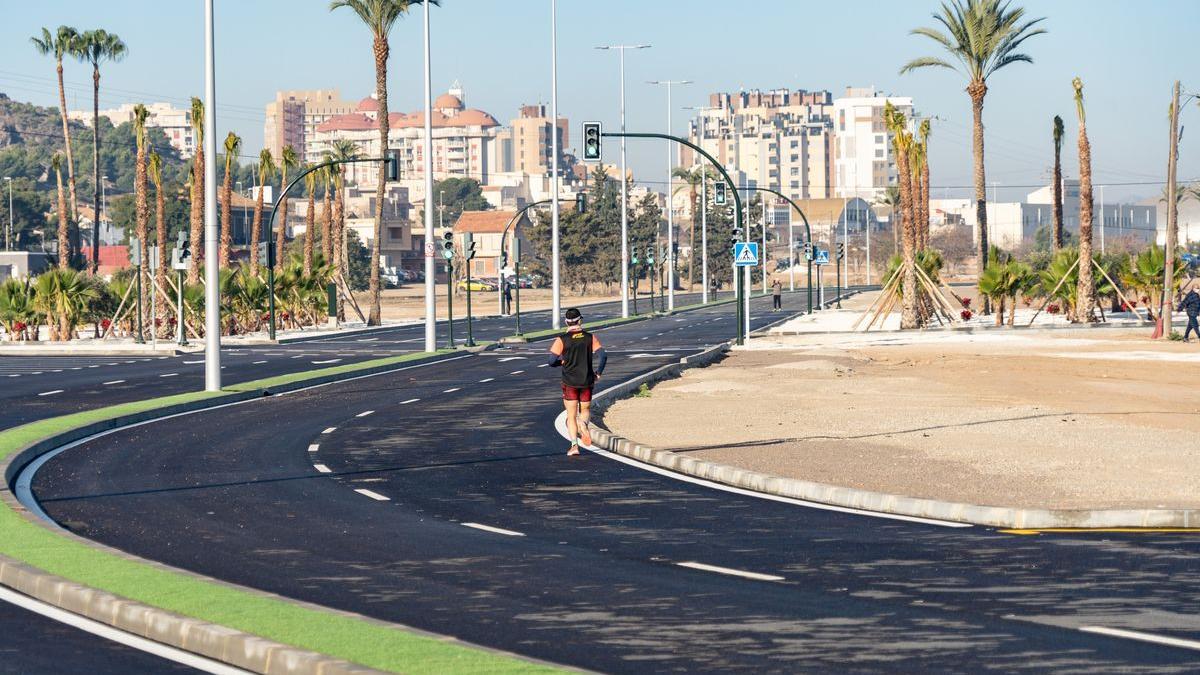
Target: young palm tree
<point>983,36</point>
<point>64,244</point>
<point>923,218</point>
<point>326,179</point>
<point>1086,293</point>
<point>141,208</point>
<point>379,17</point>
<point>266,171</point>
<point>63,295</point>
<point>1058,197</point>
<point>95,47</point>
<point>287,160</point>
<point>890,197</point>
<point>310,219</point>
<point>902,141</point>
<point>61,43</point>
<point>197,214</point>
<point>692,180</point>
<point>233,145</point>
<point>160,228</point>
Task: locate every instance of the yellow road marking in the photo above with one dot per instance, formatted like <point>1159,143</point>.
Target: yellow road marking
<point>1085,530</point>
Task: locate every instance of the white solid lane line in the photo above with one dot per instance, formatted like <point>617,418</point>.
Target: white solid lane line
<point>497,530</point>
<point>169,375</point>
<point>322,468</point>
<point>364,413</point>
<point>486,379</point>
<point>114,382</point>
<point>314,447</point>
<point>47,393</point>
<point>373,495</point>
<point>511,358</point>
<point>411,400</point>
<point>18,375</point>
<point>187,363</point>
<point>451,390</point>
<point>121,637</point>
<point>730,571</point>
<point>1143,637</point>
<point>367,339</point>
<point>330,430</point>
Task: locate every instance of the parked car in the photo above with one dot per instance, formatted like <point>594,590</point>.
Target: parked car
<point>476,285</point>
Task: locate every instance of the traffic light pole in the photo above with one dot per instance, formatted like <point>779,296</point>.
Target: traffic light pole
<point>140,339</point>
<point>470,338</point>
<point>271,226</point>
<point>517,294</point>
<point>179,309</point>
<point>741,337</point>
<point>838,296</point>
<point>450,301</point>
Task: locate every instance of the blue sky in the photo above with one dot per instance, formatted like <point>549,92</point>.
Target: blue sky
<point>1128,54</point>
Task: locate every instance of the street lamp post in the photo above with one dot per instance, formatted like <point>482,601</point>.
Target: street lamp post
<point>624,187</point>
<point>8,238</point>
<point>703,199</point>
<point>430,266</point>
<point>556,297</point>
<point>670,257</point>
<point>212,292</point>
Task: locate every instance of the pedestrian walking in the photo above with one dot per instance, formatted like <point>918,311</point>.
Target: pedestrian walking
<point>1191,305</point>
<point>573,352</point>
<point>777,295</point>
<point>508,295</point>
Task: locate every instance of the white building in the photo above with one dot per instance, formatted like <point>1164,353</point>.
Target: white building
<point>176,123</point>
<point>864,164</point>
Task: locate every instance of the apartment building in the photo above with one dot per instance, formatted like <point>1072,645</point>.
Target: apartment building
<point>293,117</point>
<point>864,164</point>
<point>525,146</point>
<point>176,123</point>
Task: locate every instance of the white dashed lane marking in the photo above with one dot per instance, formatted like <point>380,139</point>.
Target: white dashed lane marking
<point>313,448</point>
<point>257,363</point>
<point>373,495</point>
<point>486,379</point>
<point>451,390</point>
<point>169,375</point>
<point>497,530</point>
<point>516,372</point>
<point>317,363</point>
<point>322,468</point>
<point>114,382</point>
<point>411,400</point>
<point>48,393</point>
<point>188,363</point>
<point>364,413</point>
<point>732,572</point>
<point>330,430</point>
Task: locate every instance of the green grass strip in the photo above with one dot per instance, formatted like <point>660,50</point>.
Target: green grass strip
<point>343,637</point>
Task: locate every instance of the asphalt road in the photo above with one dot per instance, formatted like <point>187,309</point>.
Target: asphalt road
<point>440,496</point>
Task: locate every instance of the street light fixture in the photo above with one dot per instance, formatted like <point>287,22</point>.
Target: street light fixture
<point>621,49</point>
<point>670,257</point>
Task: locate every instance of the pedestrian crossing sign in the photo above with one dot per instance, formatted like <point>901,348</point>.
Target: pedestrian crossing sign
<point>822,256</point>
<point>745,254</point>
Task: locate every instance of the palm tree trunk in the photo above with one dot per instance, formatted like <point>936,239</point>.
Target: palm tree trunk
<point>692,238</point>
<point>908,316</point>
<point>64,245</point>
<point>1058,200</point>
<point>142,216</point>
<point>327,227</point>
<point>281,227</point>
<point>96,168</point>
<point>160,238</point>
<point>343,256</point>
<point>62,107</point>
<point>310,224</point>
<point>256,231</point>
<point>925,203</point>
<point>226,214</point>
<point>197,224</point>
<point>380,48</point>
<point>977,90</point>
<point>1085,290</point>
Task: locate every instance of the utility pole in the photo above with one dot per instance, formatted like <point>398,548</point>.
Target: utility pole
<point>1166,307</point>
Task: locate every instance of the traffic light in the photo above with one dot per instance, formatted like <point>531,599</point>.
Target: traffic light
<point>581,202</point>
<point>392,158</point>
<point>184,245</point>
<point>808,250</point>
<point>719,197</point>
<point>448,245</point>
<point>591,141</point>
<point>262,250</point>
<point>736,236</point>
<point>468,246</point>
<point>841,250</point>
<point>516,251</point>
<point>650,255</point>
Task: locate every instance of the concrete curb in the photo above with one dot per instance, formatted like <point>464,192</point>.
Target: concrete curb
<point>995,516</point>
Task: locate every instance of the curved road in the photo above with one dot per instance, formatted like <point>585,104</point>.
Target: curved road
<point>439,496</point>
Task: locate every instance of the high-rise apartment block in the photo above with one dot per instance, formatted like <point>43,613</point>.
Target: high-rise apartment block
<point>293,117</point>
<point>864,164</point>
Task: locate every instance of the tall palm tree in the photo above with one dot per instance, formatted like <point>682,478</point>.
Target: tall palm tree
<point>233,145</point>
<point>923,183</point>
<point>61,43</point>
<point>916,163</point>
<point>141,209</point>
<point>266,171</point>
<point>890,197</point>
<point>983,36</point>
<point>95,47</point>
<point>1086,287</point>
<point>287,160</point>
<point>379,17</point>
<point>160,224</point>
<point>692,180</point>
<point>326,179</point>
<point>64,245</point>
<point>197,215</point>
<point>1058,196</point>
<point>902,142</point>
<point>310,219</point>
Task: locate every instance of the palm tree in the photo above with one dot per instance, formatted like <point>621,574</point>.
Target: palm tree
<point>233,145</point>
<point>310,219</point>
<point>64,245</point>
<point>63,296</point>
<point>18,312</point>
<point>902,141</point>
<point>1058,197</point>
<point>61,43</point>
<point>197,215</point>
<point>326,179</point>
<point>1086,293</point>
<point>141,208</point>
<point>342,150</point>
<point>983,37</point>
<point>160,227</point>
<point>287,160</point>
<point>692,180</point>
<point>890,197</point>
<point>266,171</point>
<point>923,218</point>
<point>96,46</point>
<point>379,17</point>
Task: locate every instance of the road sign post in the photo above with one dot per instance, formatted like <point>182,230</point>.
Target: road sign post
<point>841,253</point>
<point>468,255</point>
<point>135,257</point>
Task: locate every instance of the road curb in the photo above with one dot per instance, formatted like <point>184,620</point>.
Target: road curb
<point>995,516</point>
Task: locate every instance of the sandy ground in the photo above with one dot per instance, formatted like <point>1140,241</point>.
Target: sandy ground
<point>1044,418</point>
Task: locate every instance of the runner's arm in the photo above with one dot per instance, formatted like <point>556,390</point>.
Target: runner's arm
<point>598,350</point>
<point>556,350</point>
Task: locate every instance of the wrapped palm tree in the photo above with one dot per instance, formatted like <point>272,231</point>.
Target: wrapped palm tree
<point>197,183</point>
<point>233,145</point>
<point>1086,294</point>
<point>266,171</point>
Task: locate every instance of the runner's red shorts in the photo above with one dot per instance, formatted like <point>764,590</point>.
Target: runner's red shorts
<point>581,394</point>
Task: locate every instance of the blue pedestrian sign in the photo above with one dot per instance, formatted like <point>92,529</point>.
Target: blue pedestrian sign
<point>822,257</point>
<point>745,254</point>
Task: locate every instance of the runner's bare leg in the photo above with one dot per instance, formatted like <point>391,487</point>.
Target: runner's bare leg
<point>585,410</point>
<point>572,425</point>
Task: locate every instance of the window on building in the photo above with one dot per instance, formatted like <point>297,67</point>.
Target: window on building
<point>879,153</point>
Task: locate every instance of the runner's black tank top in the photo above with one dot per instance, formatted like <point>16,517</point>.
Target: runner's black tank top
<point>577,359</point>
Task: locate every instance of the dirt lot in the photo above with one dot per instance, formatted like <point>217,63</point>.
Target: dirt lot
<point>1051,419</point>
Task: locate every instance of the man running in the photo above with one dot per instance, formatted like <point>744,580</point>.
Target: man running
<point>573,351</point>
